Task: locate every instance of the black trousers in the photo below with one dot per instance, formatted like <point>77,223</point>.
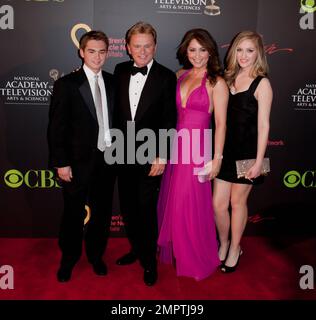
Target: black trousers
<point>93,185</point>
<point>138,195</point>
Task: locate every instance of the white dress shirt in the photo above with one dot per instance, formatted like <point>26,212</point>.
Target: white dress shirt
<point>136,85</point>
<point>90,75</point>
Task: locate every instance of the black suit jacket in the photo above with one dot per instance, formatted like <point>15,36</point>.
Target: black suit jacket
<point>73,126</point>
<point>157,105</point>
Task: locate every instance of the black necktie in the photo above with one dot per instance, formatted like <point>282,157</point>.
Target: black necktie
<point>142,70</point>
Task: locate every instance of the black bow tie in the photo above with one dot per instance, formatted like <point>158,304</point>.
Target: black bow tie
<point>142,70</point>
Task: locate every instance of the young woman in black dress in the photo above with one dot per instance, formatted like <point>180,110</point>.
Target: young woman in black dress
<point>247,132</point>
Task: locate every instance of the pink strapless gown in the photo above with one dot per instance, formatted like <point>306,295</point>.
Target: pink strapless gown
<point>187,233</point>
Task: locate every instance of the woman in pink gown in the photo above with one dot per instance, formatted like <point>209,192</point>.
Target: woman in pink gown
<point>185,213</point>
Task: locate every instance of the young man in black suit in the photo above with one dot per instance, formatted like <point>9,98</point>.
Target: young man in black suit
<point>145,100</point>
<point>80,118</point>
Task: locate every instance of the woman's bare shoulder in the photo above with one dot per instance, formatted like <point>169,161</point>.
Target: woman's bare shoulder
<point>220,83</point>
<point>180,72</point>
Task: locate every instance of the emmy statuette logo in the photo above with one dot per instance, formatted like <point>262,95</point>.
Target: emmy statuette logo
<point>55,74</point>
<point>211,9</point>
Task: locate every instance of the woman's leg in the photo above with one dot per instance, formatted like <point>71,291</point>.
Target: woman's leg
<point>239,196</point>
<point>221,198</point>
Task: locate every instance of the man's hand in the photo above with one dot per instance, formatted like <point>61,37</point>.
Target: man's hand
<point>65,173</point>
<point>157,167</point>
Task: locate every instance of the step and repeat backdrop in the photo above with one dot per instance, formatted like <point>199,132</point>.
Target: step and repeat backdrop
<point>39,39</point>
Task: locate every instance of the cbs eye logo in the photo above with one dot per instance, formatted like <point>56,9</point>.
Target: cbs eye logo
<point>308,5</point>
<point>13,178</point>
<point>31,178</point>
<point>293,178</point>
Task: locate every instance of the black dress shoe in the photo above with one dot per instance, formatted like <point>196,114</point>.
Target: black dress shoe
<point>227,269</point>
<point>64,273</point>
<point>100,268</point>
<point>128,258</point>
<point>150,276</point>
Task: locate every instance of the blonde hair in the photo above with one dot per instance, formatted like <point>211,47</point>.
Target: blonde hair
<point>140,27</point>
<point>260,67</point>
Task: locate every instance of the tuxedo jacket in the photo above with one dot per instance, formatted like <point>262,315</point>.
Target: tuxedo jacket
<point>73,125</point>
<point>157,105</point>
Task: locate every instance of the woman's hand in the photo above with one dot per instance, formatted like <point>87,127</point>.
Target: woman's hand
<point>213,168</point>
<point>254,171</point>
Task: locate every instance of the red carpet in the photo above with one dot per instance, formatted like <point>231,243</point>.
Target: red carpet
<point>268,269</point>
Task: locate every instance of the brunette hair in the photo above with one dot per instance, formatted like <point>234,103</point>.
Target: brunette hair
<point>93,35</point>
<point>204,38</point>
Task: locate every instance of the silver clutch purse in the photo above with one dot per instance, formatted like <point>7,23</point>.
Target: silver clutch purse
<point>243,166</point>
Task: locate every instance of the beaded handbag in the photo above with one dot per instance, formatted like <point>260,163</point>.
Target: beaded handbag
<point>243,166</point>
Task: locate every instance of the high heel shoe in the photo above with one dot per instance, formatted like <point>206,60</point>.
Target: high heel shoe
<point>227,269</point>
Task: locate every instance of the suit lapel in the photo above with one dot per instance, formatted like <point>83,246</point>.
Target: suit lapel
<point>85,91</point>
<point>108,90</point>
<point>125,79</point>
<point>147,93</point>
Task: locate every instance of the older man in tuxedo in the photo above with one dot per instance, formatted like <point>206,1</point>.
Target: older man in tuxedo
<point>80,118</point>
<point>145,100</point>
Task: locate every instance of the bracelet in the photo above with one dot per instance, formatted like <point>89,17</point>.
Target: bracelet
<point>218,156</point>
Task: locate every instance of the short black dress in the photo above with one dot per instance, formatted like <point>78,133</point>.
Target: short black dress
<point>241,133</point>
